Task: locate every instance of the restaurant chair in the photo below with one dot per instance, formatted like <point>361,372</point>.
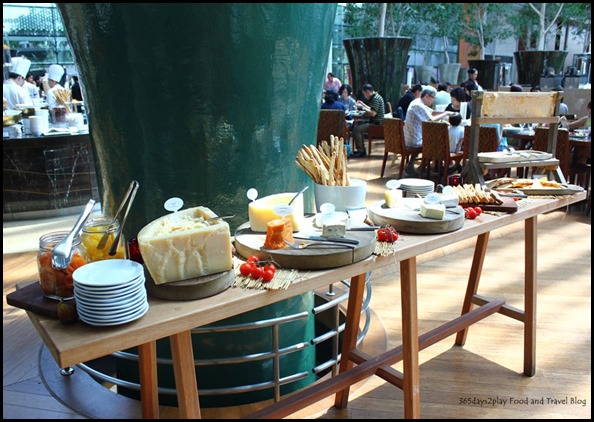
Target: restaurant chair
<point>407,152</point>
<point>541,143</point>
<point>377,131</point>
<point>436,149</point>
<point>332,122</point>
<point>393,141</point>
<point>488,141</point>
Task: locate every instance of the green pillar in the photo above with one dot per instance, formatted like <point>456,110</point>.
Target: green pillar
<point>197,101</point>
<point>202,102</point>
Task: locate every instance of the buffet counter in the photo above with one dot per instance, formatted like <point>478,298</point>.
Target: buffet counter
<point>78,343</point>
<point>47,176</point>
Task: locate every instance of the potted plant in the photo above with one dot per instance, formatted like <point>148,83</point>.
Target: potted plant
<point>485,24</point>
<point>379,60</point>
<point>532,25</point>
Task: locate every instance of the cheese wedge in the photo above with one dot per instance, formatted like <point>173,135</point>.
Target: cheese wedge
<point>393,197</point>
<point>261,211</point>
<point>334,228</point>
<point>434,211</point>
<point>181,245</point>
<point>277,232</point>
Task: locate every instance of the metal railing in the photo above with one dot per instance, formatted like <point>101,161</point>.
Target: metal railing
<point>275,325</point>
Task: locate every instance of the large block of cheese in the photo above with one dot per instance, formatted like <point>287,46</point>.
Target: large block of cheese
<point>182,245</point>
<point>261,211</point>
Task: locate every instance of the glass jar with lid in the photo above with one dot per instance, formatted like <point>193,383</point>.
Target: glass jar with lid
<point>98,235</point>
<point>55,283</point>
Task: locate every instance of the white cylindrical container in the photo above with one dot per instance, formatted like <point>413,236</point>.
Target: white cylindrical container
<point>342,197</point>
<point>36,125</point>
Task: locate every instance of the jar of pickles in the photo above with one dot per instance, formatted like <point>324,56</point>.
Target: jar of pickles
<point>98,235</point>
<point>55,283</point>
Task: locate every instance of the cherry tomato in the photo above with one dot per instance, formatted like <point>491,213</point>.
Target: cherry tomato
<point>257,272</point>
<point>381,235</point>
<point>393,235</point>
<point>267,276</point>
<point>270,267</point>
<point>246,268</point>
<point>478,210</point>
<point>253,258</point>
<point>471,213</point>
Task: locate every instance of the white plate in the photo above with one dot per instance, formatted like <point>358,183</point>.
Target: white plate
<point>95,298</point>
<point>110,272</point>
<point>97,323</point>
<point>116,311</point>
<point>112,303</point>
<point>109,290</point>
<point>412,183</point>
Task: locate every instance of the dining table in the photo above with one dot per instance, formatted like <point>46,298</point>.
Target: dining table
<point>79,342</point>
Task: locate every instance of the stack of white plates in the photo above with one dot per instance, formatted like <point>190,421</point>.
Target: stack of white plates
<point>414,187</point>
<point>110,292</point>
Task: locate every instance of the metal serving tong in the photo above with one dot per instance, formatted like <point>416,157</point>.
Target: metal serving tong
<point>62,252</point>
<point>105,237</point>
<point>132,193</point>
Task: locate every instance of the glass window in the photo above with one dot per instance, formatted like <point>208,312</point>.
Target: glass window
<point>35,31</point>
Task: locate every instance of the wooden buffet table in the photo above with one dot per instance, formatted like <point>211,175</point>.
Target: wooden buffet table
<point>78,343</point>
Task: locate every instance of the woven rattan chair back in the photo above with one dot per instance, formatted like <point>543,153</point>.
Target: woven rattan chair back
<point>436,150</point>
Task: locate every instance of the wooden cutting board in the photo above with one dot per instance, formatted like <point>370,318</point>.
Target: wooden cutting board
<point>193,288</point>
<point>509,206</point>
<point>249,243</point>
<point>406,220</point>
<point>31,298</point>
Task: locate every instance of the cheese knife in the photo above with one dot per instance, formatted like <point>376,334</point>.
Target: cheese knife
<point>330,239</point>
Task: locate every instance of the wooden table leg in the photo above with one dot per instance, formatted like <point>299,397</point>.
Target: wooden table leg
<point>476,269</point>
<point>185,375</point>
<point>530,234</point>
<point>149,387</point>
<point>410,339</point>
<point>349,336</point>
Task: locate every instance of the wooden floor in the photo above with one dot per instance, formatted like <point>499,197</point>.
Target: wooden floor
<point>481,380</point>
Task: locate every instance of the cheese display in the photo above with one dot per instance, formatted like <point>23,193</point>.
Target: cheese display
<point>434,211</point>
<point>183,245</point>
<point>393,197</point>
<point>519,104</point>
<point>261,211</point>
<point>277,231</point>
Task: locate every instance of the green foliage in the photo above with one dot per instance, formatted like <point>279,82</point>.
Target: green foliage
<point>362,19</point>
<point>486,23</point>
<point>578,17</point>
<point>534,21</point>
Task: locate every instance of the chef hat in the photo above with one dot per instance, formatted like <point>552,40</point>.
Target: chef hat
<point>20,66</point>
<point>55,72</point>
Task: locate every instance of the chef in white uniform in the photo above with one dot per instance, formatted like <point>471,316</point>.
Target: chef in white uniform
<point>12,89</point>
<point>54,74</point>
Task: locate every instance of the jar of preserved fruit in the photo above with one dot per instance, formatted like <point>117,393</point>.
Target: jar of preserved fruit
<point>55,283</point>
<point>96,246</point>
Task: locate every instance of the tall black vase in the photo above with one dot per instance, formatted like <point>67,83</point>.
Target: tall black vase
<point>531,65</point>
<point>379,61</point>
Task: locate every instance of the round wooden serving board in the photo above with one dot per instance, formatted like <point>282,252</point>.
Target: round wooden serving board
<point>192,288</point>
<point>405,220</point>
<point>249,243</point>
